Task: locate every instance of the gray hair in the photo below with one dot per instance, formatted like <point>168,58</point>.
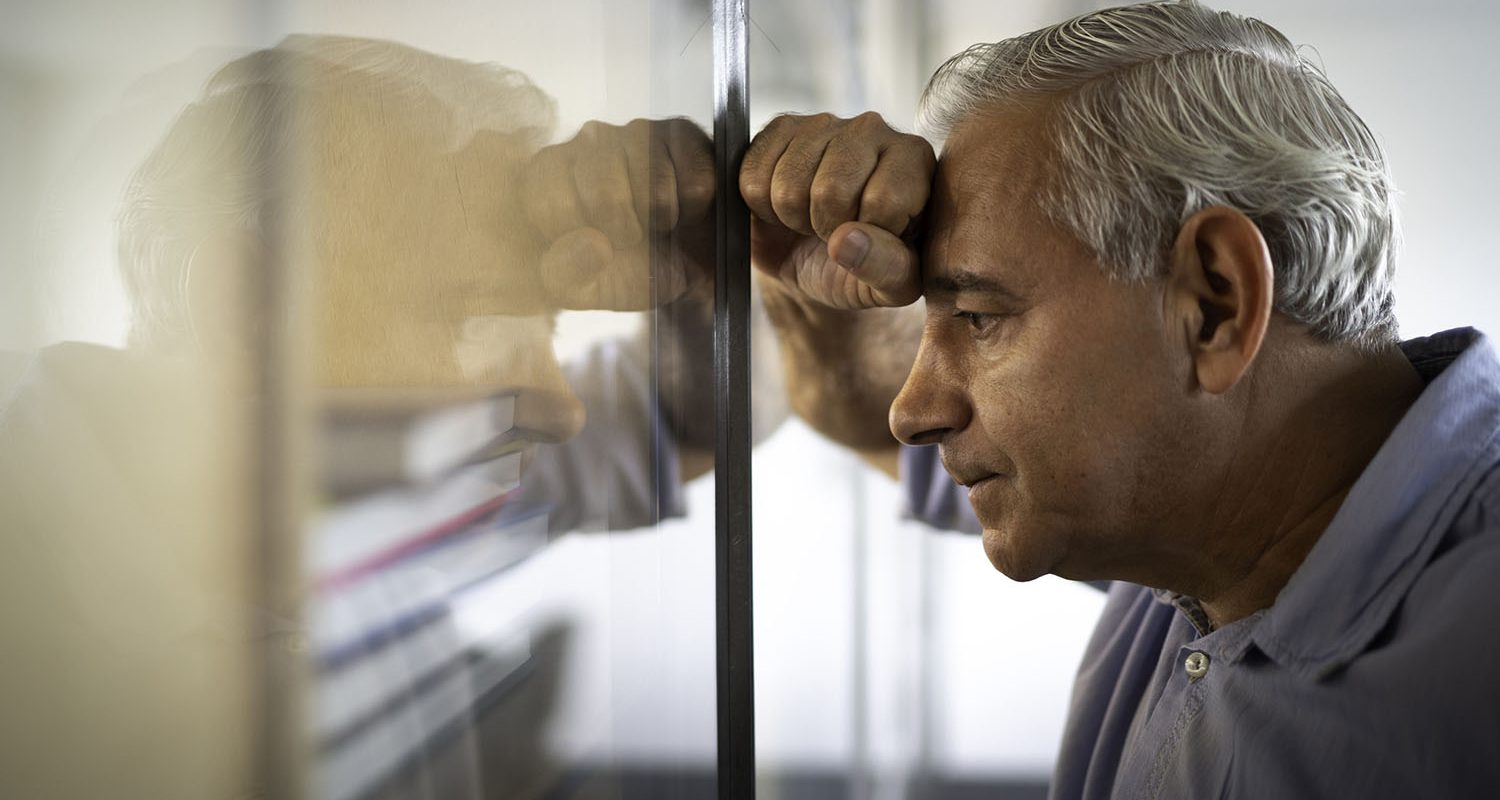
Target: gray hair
<point>1160,110</point>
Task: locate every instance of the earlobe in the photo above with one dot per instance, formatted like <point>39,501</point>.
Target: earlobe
<point>1223,290</point>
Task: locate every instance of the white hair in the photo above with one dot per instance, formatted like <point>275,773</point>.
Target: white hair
<point>1159,110</point>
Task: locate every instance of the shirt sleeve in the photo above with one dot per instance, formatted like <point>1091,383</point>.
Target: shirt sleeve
<point>931,496</point>
<point>621,471</point>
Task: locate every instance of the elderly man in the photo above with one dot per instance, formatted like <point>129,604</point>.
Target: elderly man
<point>1159,349</point>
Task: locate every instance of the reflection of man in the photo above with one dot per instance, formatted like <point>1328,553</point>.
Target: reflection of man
<point>1159,349</point>
<point>438,238</point>
<point>410,188</point>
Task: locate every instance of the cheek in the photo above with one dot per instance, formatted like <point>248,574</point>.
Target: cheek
<point>1028,415</point>
<point>1075,414</point>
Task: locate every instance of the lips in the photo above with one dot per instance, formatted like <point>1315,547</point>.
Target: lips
<point>967,476</point>
<point>977,487</point>
<point>975,476</point>
<point>970,482</point>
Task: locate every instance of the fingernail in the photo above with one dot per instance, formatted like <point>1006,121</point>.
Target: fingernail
<point>852,251</point>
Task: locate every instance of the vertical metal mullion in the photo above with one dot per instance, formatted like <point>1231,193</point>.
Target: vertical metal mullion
<point>736,685</point>
<point>278,439</point>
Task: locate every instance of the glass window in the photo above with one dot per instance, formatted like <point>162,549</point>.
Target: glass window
<point>355,357</point>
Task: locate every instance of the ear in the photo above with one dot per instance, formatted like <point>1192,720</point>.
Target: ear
<point>1222,290</point>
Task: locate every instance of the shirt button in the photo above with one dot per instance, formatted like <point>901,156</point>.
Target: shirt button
<point>1196,665</point>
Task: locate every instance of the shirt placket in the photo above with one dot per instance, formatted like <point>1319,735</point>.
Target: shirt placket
<point>1155,749</point>
<point>1200,669</point>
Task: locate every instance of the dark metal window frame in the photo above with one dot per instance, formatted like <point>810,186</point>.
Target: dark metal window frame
<point>736,685</point>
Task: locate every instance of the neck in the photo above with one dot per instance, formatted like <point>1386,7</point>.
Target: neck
<point>1299,452</point>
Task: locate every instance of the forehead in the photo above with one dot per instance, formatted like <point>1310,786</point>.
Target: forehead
<point>998,155</point>
<point>986,213</point>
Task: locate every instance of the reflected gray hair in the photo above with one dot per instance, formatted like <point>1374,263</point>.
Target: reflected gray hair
<point>215,172</point>
<point>1159,110</point>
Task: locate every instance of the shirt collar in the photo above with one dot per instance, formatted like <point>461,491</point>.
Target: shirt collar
<point>1395,514</point>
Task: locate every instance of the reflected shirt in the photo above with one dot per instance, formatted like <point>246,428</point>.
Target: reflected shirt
<point>1375,674</point>
<point>621,471</point>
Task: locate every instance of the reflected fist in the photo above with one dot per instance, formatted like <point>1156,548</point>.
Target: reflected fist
<point>612,197</point>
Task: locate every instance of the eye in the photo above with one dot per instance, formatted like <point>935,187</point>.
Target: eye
<point>979,324</point>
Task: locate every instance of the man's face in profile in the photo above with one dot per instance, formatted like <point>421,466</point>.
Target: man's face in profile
<point>1048,386</point>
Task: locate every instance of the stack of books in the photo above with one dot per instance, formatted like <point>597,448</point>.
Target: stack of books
<point>421,489</point>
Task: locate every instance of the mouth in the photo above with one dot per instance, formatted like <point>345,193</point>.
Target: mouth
<point>977,486</point>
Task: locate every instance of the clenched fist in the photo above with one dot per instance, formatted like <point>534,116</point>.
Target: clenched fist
<point>835,204</point>
<point>623,213</point>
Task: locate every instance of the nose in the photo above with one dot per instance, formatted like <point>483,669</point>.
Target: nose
<point>516,354</point>
<point>932,404</point>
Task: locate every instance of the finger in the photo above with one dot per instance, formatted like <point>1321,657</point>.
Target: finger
<point>900,185</point>
<point>880,260</point>
<point>759,166</point>
<point>839,183</point>
<point>602,182</point>
<point>791,182</point>
<point>552,204</point>
<point>652,183</point>
<point>692,155</point>
<point>660,201</point>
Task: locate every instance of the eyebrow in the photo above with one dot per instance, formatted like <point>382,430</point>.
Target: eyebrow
<point>966,281</point>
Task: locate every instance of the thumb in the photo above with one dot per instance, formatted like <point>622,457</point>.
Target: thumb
<point>879,259</point>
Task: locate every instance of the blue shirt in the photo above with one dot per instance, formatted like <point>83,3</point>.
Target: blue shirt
<point>1375,674</point>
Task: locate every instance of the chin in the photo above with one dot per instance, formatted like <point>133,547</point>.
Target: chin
<point>1013,559</point>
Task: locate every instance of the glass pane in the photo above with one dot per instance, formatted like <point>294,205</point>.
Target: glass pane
<point>356,358</point>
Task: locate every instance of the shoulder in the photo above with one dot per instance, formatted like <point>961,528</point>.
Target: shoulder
<point>1435,671</point>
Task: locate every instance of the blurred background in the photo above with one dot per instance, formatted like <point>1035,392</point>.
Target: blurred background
<point>185,607</point>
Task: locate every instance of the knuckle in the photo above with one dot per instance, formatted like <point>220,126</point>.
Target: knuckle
<point>698,191</point>
<point>780,123</point>
<point>547,161</point>
<point>885,203</point>
<point>680,126</point>
<point>753,188</point>
<point>828,193</point>
<point>757,155</point>
<point>917,145</point>
<point>789,197</point>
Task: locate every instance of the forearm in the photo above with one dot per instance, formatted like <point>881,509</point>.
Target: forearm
<point>843,368</point>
